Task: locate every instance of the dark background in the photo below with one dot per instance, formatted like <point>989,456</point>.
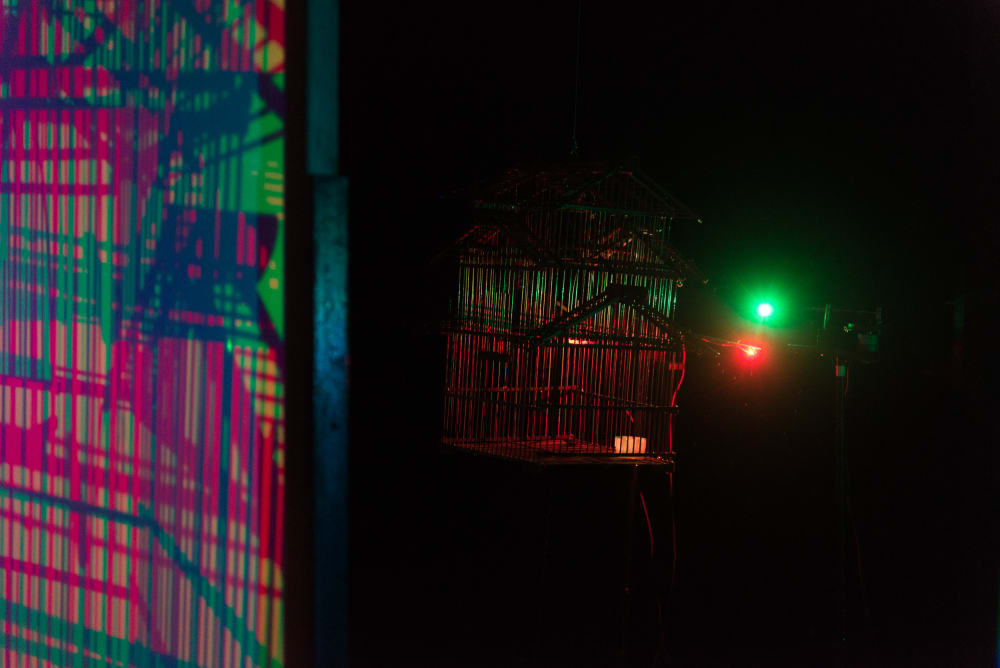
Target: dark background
<point>843,154</point>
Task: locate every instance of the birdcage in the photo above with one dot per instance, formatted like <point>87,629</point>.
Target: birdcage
<point>561,342</point>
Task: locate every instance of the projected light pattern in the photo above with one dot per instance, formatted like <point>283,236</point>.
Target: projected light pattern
<point>141,329</point>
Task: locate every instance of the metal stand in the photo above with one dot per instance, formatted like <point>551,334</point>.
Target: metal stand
<point>663,463</point>
<point>540,588</point>
<point>633,487</point>
<point>858,345</point>
<point>840,373</point>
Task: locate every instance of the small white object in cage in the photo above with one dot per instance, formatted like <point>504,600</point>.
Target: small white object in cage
<point>633,445</point>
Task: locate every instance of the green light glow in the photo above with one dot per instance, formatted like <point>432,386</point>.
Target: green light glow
<point>765,310</point>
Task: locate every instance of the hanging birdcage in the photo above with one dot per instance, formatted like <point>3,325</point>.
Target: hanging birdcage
<point>561,342</point>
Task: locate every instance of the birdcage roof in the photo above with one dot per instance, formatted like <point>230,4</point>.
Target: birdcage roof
<point>599,187</point>
<point>521,245</point>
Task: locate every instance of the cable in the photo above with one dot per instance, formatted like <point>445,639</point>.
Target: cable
<point>673,402</point>
<point>662,649</point>
<point>670,476</point>
<point>683,364</point>
<point>648,524</point>
<point>673,536</point>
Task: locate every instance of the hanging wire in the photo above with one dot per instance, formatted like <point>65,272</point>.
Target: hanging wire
<point>575,146</point>
<point>661,652</point>
<point>649,524</point>
<point>673,401</point>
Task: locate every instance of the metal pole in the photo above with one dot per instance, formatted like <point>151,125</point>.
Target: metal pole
<point>841,480</point>
<point>627,589</point>
<point>540,588</point>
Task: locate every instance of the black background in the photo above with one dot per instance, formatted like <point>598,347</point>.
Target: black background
<point>848,151</point>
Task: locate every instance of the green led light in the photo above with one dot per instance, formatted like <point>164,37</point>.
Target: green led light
<point>765,310</point>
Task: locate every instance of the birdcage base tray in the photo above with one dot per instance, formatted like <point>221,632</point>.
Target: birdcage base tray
<point>561,452</point>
